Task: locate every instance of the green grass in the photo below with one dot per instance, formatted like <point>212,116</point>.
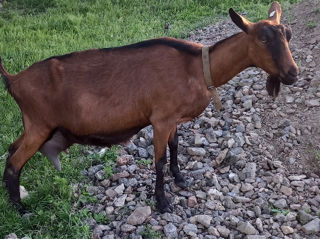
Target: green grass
<point>277,211</point>
<point>149,233</point>
<point>110,160</point>
<point>311,24</point>
<point>144,162</point>
<point>32,30</point>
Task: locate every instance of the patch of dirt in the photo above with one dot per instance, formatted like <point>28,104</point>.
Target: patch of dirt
<point>304,115</point>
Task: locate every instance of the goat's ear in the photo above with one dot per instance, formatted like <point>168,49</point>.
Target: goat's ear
<point>275,12</point>
<point>240,21</point>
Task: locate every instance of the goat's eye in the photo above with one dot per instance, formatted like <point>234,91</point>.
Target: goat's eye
<point>264,41</point>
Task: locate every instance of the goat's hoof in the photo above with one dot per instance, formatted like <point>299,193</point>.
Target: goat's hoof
<point>19,207</point>
<point>164,206</point>
<point>4,184</point>
<point>181,182</point>
<point>168,209</point>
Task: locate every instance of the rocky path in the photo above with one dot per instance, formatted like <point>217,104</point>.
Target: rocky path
<point>253,168</point>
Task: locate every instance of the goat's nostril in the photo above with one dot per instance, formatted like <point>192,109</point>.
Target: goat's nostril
<point>293,72</point>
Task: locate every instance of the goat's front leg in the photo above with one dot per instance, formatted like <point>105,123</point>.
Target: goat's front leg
<point>161,136</point>
<point>174,168</point>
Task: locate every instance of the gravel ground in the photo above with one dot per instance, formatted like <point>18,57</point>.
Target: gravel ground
<point>253,168</point>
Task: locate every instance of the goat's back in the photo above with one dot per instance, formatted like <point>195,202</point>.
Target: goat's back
<point>108,90</point>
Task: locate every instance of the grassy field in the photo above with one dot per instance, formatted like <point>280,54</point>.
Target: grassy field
<point>32,30</point>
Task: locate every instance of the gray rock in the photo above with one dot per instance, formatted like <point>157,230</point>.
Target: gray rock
<point>204,220</point>
<point>287,229</point>
<point>100,175</point>
<point>298,183</point>
<point>241,199</point>
<point>250,170</point>
<point>110,193</point>
<point>297,177</point>
<point>291,216</point>
<point>139,215</point>
<point>92,170</point>
<point>222,155</point>
<point>119,189</point>
<point>289,99</point>
<point>150,150</point>
<point>23,192</point>
<point>132,168</point>
<point>224,231</point>
<point>245,187</point>
<point>240,128</point>
<point>120,201</point>
<point>199,140</point>
<point>211,204</point>
<point>143,153</point>
<point>110,236</point>
<point>132,182</point>
<point>256,237</point>
<point>247,228</point>
<point>280,203</point>
<point>218,133</point>
<point>190,229</point>
<point>195,151</point>
<point>97,231</point>
<point>259,224</point>
<point>312,227</point>
<point>312,103</point>
<point>170,231</point>
<point>228,203</point>
<point>286,190</point>
<point>215,194</point>
<point>230,143</point>
<point>233,177</point>
<point>109,210</point>
<point>127,228</point>
<point>170,217</point>
<point>93,190</point>
<point>210,135</point>
<point>131,147</point>
<point>304,217</point>
<point>11,236</point>
<point>213,122</point>
<point>247,104</point>
<point>234,220</point>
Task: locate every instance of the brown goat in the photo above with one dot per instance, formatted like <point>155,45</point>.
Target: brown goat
<point>105,96</point>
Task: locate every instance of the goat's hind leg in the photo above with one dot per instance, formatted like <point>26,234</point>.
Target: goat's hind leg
<point>174,168</point>
<point>12,149</point>
<point>30,143</point>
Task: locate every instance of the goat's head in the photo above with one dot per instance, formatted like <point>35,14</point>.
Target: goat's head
<point>268,47</point>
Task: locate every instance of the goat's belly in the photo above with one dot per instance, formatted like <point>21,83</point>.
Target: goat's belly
<point>99,139</point>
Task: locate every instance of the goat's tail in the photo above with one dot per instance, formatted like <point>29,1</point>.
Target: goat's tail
<point>6,76</point>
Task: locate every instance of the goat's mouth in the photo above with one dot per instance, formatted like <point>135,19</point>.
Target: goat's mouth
<point>274,82</point>
<point>289,79</point>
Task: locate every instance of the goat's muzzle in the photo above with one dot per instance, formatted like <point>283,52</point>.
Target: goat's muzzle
<point>291,77</point>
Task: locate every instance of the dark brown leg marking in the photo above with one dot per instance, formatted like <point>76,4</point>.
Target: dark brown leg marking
<point>174,168</point>
<point>163,204</point>
<point>11,181</point>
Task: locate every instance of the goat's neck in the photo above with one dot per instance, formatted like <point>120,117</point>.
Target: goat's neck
<point>229,58</point>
